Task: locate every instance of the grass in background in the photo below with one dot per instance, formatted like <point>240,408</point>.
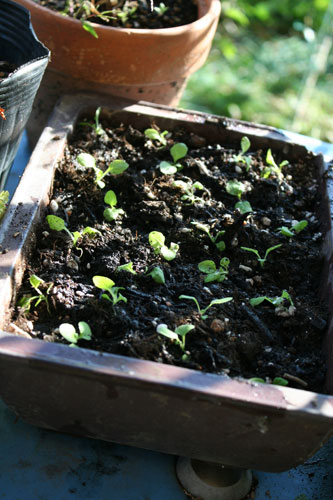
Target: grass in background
<point>261,62</point>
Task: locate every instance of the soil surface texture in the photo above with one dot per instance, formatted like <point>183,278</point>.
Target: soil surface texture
<point>139,14</point>
<point>255,250</point>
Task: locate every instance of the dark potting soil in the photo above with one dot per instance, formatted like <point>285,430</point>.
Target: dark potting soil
<point>280,337</point>
<point>140,14</point>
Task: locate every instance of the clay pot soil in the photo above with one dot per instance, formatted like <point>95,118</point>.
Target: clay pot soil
<point>281,337</point>
<point>134,63</point>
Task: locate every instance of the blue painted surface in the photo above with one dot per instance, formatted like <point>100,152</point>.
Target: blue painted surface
<point>36,464</point>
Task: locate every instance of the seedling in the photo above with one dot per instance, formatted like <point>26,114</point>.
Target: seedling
<point>276,381</point>
<point>220,245</point>
<point>189,189</point>
<point>214,302</point>
<point>126,12</point>
<point>237,188</point>
<point>262,260</point>
<point>157,242</point>
<point>273,168</point>
<point>116,167</point>
<point>157,275</point>
<point>155,135</point>
<point>106,284</point>
<point>161,9</point>
<point>127,267</point>
<point>69,333</point>
<point>241,158</point>
<point>113,213</point>
<point>97,127</point>
<point>275,301</point>
<point>58,224</point>
<point>178,151</point>
<point>27,300</point>
<point>213,274</point>
<point>293,230</point>
<point>4,198</point>
<point>178,335</point>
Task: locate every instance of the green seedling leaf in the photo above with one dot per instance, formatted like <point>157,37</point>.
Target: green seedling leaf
<point>300,226</point>
<point>163,329</point>
<point>256,301</point>
<point>156,241</point>
<point>244,207</point>
<point>257,380</point>
<point>183,330</point>
<point>286,231</point>
<point>212,303</point>
<point>127,267</point>
<point>69,333</point>
<point>110,198</point>
<point>56,223</point>
<point>103,282</point>
<point>154,135</point>
<point>157,275</point>
<point>168,168</point>
<point>235,188</point>
<point>207,266</point>
<point>117,167</point>
<point>178,151</point>
<point>90,231</point>
<point>170,253</point>
<point>177,336</point>
<point>245,144</point>
<point>260,259</point>
<point>35,281</point>
<point>88,27</point>
<point>85,331</point>
<point>270,159</point>
<point>86,160</point>
<point>280,381</point>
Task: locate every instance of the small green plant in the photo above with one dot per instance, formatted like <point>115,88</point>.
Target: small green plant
<point>241,158</point>
<point>127,267</point>
<point>58,224</point>
<point>116,167</point>
<point>27,300</point>
<point>220,245</point>
<point>161,9</point>
<point>106,284</point>
<point>272,168</point>
<point>178,335</point>
<point>157,242</point>
<point>189,189</point>
<point>96,127</point>
<point>214,302</point>
<point>237,188</point>
<point>178,151</point>
<point>126,12</point>
<point>155,135</point>
<point>4,198</point>
<point>112,213</point>
<point>69,333</point>
<point>293,230</point>
<point>275,301</point>
<point>213,273</point>
<point>276,381</point>
<point>157,275</point>
<point>262,260</point>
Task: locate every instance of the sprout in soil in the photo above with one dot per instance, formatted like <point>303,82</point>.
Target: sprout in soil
<point>157,242</point>
<point>96,127</point>
<point>26,301</point>
<point>58,224</point>
<point>213,274</point>
<point>106,284</point>
<point>155,135</point>
<point>278,302</point>
<point>241,158</point>
<point>178,335</point>
<point>161,9</point>
<point>69,333</point>
<point>189,189</point>
<point>127,267</point>
<point>212,303</point>
<point>178,151</point>
<point>113,213</point>
<point>4,198</point>
<point>116,167</point>
<point>262,260</point>
<point>272,168</point>
<point>157,275</point>
<point>276,381</point>
<point>294,229</point>
<point>220,245</point>
<point>237,188</point>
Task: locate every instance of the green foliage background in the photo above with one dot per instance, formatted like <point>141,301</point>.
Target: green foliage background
<point>271,63</point>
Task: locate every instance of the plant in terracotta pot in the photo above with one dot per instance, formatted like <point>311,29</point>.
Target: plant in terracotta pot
<point>133,62</point>
<point>23,62</point>
<point>174,283</point>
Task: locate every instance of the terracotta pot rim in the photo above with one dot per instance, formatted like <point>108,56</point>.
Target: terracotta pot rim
<point>213,10</point>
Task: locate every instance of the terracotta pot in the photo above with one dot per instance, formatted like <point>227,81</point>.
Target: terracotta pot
<point>138,64</point>
<point>142,403</point>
